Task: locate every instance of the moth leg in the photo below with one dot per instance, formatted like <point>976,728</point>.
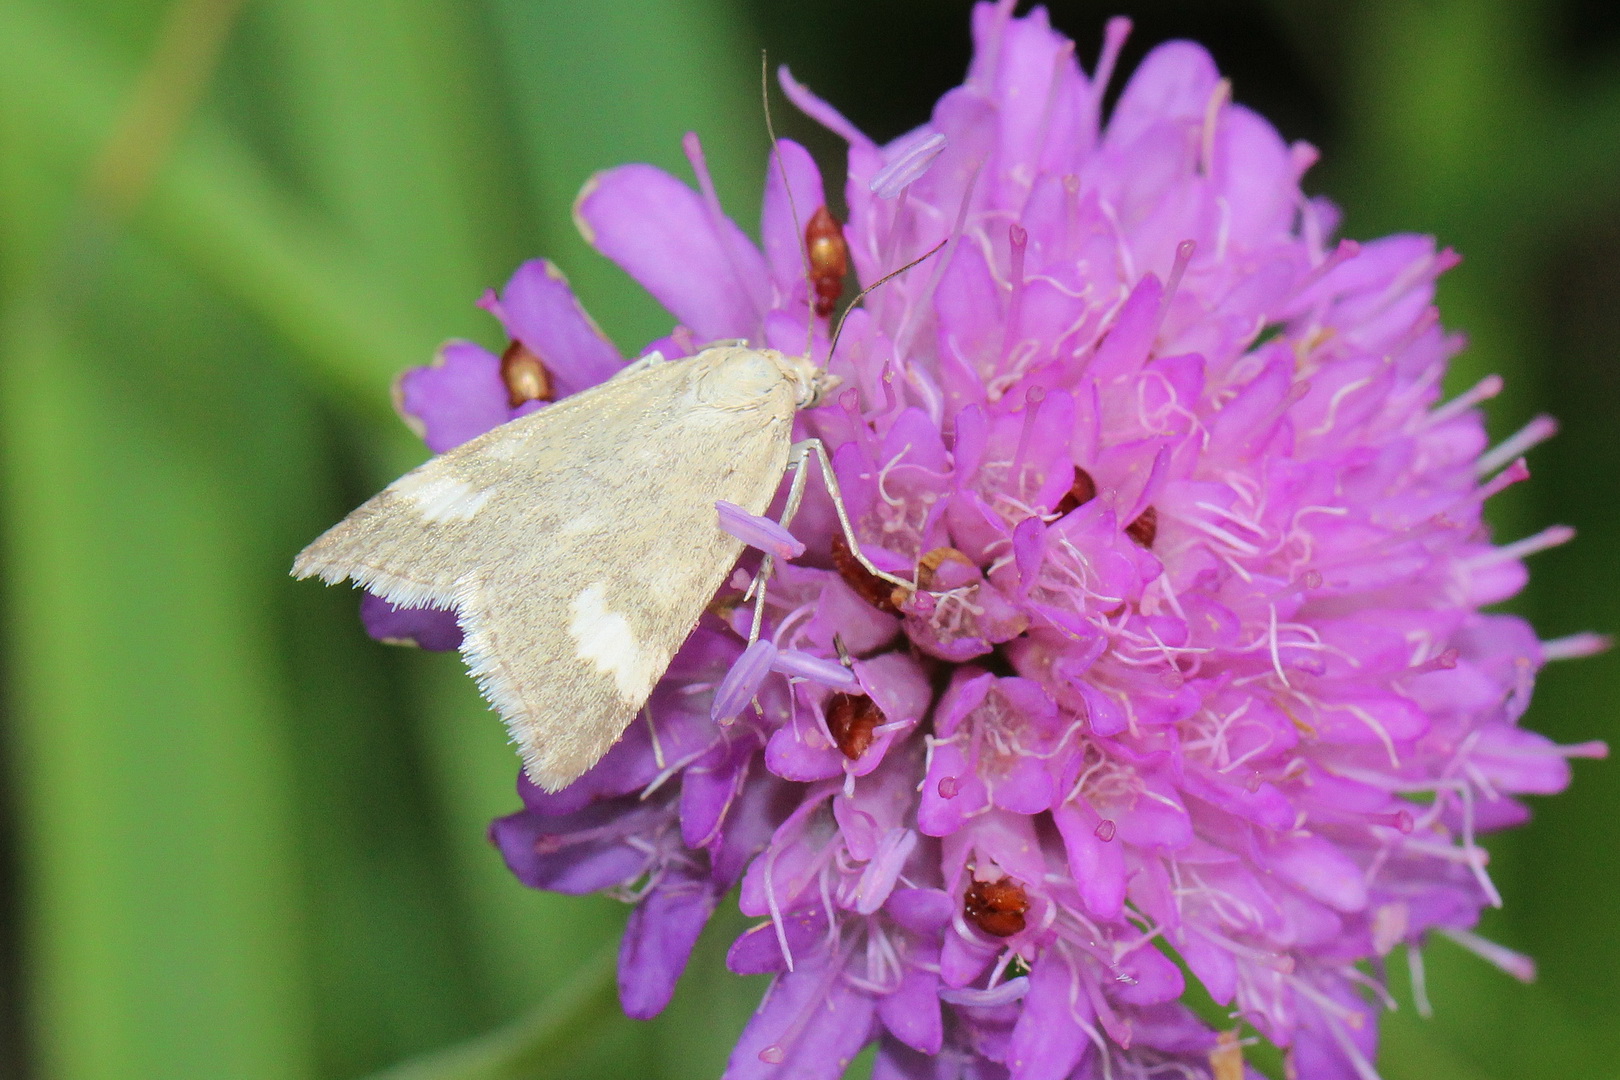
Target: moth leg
<point>797,456</point>
<point>795,496</point>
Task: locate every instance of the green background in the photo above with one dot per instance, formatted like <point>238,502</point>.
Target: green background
<point>238,839</point>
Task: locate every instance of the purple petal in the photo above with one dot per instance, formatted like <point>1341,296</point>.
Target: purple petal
<point>1173,82</point>
<point>457,397</point>
<point>544,857</point>
<point>1049,1037</point>
<point>782,221</point>
<point>709,786</point>
<point>809,1027</point>
<point>538,308</point>
<point>1097,865</point>
<point>1320,869</point>
<point>702,269</point>
<point>658,941</point>
<point>434,629</point>
<point>912,1013</point>
<point>818,110</point>
<point>758,951</point>
<point>922,911</point>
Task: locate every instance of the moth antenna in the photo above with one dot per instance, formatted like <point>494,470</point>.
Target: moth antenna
<point>793,210</point>
<point>890,276</point>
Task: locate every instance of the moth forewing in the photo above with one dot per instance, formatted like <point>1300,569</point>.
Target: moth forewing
<point>580,544</point>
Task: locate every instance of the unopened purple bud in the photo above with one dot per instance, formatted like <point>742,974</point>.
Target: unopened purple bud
<point>758,532</point>
<point>829,673</point>
<point>742,682</point>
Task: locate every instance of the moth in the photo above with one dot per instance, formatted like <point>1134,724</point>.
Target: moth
<point>579,544</point>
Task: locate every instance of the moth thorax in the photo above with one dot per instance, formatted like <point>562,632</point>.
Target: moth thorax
<point>828,254</point>
<point>524,375</point>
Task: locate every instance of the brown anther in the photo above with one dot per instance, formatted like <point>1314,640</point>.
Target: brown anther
<point>867,585</point>
<point>851,718</point>
<point>525,376</point>
<point>829,260</point>
<point>996,907</point>
<point>1082,491</point>
<point>1145,528</point>
<point>1226,1057</point>
<point>929,565</point>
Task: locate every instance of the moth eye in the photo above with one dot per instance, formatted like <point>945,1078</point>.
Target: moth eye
<point>1081,492</point>
<point>1145,529</point>
<point>525,376</point>
<point>867,585</point>
<point>829,260</point>
<point>996,907</point>
<point>852,718</point>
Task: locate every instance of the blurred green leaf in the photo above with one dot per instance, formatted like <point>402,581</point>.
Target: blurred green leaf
<point>166,935</point>
<point>545,1043</point>
<point>600,84</point>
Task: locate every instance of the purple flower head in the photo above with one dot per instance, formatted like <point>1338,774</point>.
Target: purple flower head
<point>1196,681</point>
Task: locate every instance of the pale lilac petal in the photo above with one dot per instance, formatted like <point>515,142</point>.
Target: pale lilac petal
<point>760,533</point>
<point>1007,992</point>
<point>828,673</point>
<point>743,681</point>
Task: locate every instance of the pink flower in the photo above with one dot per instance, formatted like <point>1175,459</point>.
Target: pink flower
<point>1199,669</point>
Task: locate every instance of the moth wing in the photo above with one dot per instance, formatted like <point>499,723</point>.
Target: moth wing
<point>578,546</point>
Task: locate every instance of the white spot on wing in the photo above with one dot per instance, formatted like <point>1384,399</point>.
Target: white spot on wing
<point>442,498</point>
<point>604,637</point>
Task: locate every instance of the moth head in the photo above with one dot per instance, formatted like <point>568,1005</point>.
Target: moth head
<point>812,385</point>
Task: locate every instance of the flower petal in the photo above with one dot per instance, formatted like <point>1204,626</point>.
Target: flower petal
<point>457,397</point>
<point>703,269</point>
<point>433,629</point>
<point>658,941</point>
<point>538,308</point>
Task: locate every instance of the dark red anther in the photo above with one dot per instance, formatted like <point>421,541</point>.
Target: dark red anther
<point>525,376</point>
<point>852,718</point>
<point>1145,528</point>
<point>1082,491</point>
<point>829,260</point>
<point>996,907</point>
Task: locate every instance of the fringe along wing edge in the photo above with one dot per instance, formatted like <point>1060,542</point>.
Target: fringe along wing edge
<point>579,544</point>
